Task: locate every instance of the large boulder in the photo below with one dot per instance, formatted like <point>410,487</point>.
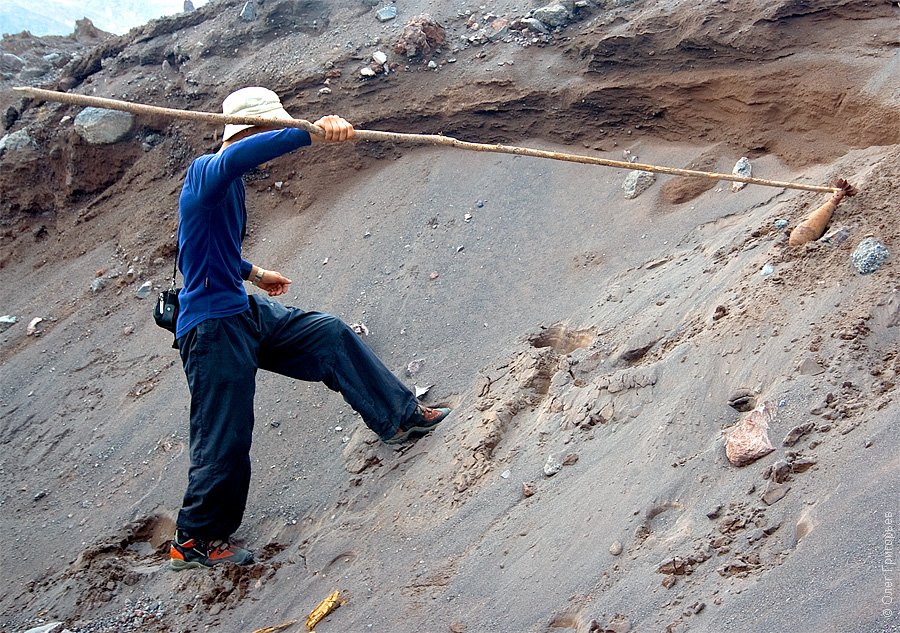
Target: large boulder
<point>99,126</point>
<point>553,15</point>
<point>10,63</point>
<point>421,36</point>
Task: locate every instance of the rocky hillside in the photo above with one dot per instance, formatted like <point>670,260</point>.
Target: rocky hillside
<point>600,347</point>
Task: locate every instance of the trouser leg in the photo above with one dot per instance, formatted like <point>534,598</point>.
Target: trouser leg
<point>320,347</point>
<point>219,357</point>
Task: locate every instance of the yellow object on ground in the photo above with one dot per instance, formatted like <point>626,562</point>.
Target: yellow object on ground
<point>279,627</point>
<point>325,607</point>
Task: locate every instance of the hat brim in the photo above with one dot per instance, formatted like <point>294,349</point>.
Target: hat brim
<point>276,113</point>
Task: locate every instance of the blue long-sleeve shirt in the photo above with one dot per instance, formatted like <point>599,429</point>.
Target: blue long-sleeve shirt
<point>212,220</point>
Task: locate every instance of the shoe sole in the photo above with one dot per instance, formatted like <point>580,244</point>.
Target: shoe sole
<point>416,431</point>
<point>181,565</point>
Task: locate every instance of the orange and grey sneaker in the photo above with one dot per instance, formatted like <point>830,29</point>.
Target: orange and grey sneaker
<point>191,553</point>
<point>422,421</point>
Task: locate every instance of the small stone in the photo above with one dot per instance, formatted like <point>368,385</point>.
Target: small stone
<point>367,72</point>
<point>324,91</point>
<point>40,495</point>
<point>414,367</point>
<point>837,237</point>
<point>434,275</point>
<point>421,392</point>
<point>248,12</point>
<point>552,466</point>
<point>144,291</point>
<point>774,492</point>
<point>570,459</point>
<point>505,474</point>
<point>379,57</point>
<point>7,321</point>
<point>675,566</point>
<point>527,489</point>
<point>616,548</point>
<point>32,330</point>
<point>780,223</point>
<point>797,432</point>
<point>809,366</point>
<point>386,14</point>
<point>741,168</point>
<point>715,512</point>
<point>766,270</point>
<point>360,328</point>
<point>669,581</point>
<point>432,64</point>
<point>779,471</point>
<point>749,440</point>
<point>533,24</point>
<point>803,464</point>
<point>869,256</point>
<point>637,182</point>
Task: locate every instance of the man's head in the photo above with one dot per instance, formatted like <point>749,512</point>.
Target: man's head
<point>253,101</point>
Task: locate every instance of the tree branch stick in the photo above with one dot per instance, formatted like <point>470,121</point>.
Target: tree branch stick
<point>417,139</point>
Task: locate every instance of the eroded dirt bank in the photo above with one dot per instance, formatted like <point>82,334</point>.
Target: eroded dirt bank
<point>564,321</point>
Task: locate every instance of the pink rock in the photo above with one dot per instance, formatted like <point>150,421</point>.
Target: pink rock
<point>750,438</point>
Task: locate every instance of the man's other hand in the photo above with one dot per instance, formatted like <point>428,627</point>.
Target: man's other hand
<point>274,283</point>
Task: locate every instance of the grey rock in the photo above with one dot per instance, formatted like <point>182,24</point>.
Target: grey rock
<point>50,627</point>
<point>17,141</point>
<point>7,321</point>
<point>144,291</point>
<point>837,237</point>
<point>869,256</point>
<point>616,548</point>
<point>535,25</point>
<point>552,15</point>
<point>188,6</point>
<point>248,13</point>
<point>414,367</point>
<point>637,182</point>
<point>99,126</point>
<point>10,63</point>
<point>774,492</point>
<point>780,223</point>
<point>98,284</point>
<point>552,466</point>
<point>386,14</point>
<point>741,168</point>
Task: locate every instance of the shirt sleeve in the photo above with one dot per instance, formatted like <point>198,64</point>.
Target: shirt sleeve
<point>246,267</point>
<point>240,157</point>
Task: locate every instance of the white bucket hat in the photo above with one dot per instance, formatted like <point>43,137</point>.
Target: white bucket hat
<point>253,101</point>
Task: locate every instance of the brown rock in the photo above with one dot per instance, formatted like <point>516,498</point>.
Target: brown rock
<point>527,489</point>
<point>774,492</point>
<point>570,459</point>
<point>422,35</point>
<point>797,432</point>
<point>750,438</point>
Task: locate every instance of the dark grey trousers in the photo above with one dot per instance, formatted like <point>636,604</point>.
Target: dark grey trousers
<point>221,357</point>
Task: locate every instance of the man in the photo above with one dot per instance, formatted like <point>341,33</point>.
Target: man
<point>224,336</point>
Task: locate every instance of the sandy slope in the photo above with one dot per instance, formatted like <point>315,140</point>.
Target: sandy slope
<point>571,322</point>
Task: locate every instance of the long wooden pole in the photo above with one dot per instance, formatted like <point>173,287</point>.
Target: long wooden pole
<point>419,139</point>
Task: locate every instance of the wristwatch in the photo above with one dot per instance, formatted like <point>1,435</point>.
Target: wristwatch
<point>257,278</point>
